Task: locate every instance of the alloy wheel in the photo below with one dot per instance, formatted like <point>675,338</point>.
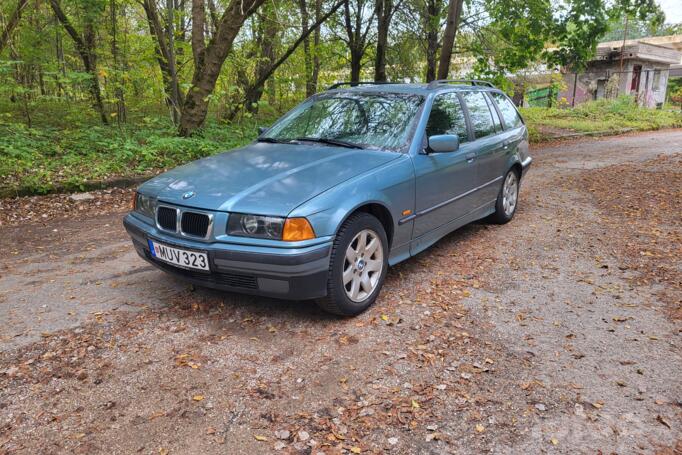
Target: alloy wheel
<point>510,192</point>
<point>363,265</point>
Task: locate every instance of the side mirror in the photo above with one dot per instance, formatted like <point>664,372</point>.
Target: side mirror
<point>262,129</point>
<point>443,143</point>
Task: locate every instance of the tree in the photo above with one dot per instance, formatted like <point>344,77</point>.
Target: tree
<point>267,64</point>
<point>431,12</point>
<point>85,45</point>
<point>384,10</point>
<point>165,54</point>
<point>357,26</point>
<point>454,13</point>
<point>12,23</point>
<point>213,56</point>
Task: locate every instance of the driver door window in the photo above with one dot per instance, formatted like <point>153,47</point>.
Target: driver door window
<point>447,117</point>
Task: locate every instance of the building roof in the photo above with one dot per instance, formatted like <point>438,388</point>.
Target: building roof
<point>640,49</point>
<point>672,41</point>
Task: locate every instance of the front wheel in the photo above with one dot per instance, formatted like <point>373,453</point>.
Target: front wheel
<point>357,267</point>
<point>507,199</point>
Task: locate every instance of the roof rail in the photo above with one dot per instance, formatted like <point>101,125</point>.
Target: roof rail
<point>436,83</point>
<point>355,84</point>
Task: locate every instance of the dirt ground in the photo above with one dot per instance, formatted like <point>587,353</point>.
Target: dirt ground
<point>557,333</point>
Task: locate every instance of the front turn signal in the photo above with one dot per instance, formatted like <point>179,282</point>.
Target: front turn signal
<point>296,229</point>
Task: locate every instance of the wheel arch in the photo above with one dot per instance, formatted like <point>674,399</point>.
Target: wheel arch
<point>380,212</point>
<point>516,167</point>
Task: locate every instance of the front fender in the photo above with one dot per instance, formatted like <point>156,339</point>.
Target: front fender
<point>391,186</point>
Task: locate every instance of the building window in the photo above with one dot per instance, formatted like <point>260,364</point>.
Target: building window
<point>657,81</point>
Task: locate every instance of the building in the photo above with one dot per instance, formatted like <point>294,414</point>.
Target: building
<point>639,67</point>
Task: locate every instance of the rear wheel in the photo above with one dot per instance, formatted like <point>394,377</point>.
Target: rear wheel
<point>357,267</point>
<point>507,199</point>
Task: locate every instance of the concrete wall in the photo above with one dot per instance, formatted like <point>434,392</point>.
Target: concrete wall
<point>594,82</point>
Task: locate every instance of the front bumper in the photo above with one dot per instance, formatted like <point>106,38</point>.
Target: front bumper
<point>295,274</point>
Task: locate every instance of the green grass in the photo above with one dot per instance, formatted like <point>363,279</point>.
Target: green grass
<point>67,150</point>
<point>598,116</point>
<point>67,155</point>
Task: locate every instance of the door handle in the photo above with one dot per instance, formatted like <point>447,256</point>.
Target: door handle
<point>470,157</point>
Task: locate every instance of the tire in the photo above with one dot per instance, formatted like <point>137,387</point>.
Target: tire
<point>506,204</point>
<point>367,271</point>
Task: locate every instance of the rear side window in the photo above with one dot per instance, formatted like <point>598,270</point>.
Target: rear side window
<point>496,116</point>
<point>447,117</point>
<point>479,114</point>
<point>509,113</point>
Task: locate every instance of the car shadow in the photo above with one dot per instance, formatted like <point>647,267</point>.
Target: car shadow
<point>247,306</point>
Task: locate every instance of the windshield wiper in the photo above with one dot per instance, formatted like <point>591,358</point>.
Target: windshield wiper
<point>273,140</point>
<point>330,141</point>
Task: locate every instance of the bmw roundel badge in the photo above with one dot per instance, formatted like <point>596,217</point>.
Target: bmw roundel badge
<point>188,194</point>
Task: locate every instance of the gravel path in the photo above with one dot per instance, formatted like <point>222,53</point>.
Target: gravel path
<point>557,333</point>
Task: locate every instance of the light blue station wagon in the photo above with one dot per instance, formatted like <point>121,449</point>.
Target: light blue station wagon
<point>351,181</point>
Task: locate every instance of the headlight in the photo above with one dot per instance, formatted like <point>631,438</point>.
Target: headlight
<point>269,227</point>
<point>265,227</point>
<point>145,205</point>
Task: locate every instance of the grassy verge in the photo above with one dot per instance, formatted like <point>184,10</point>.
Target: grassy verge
<point>41,159</point>
<point>597,116</point>
<point>65,151</point>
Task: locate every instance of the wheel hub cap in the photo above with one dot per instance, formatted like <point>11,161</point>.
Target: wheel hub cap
<point>510,192</point>
<point>363,265</point>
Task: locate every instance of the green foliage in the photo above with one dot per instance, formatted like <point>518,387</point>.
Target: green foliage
<point>41,158</point>
<point>603,115</point>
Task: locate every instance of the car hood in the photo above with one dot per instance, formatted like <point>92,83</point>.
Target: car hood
<point>263,178</point>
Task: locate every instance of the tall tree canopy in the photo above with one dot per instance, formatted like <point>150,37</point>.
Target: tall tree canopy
<point>228,58</point>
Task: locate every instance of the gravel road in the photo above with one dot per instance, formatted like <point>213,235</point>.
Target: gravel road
<point>557,333</point>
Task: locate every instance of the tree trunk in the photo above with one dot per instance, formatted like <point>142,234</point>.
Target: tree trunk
<point>172,68</point>
<point>314,77</point>
<point>384,12</point>
<point>171,84</point>
<point>59,53</point>
<point>195,107</point>
<point>431,24</point>
<point>12,24</point>
<point>198,30</point>
<point>454,13</point>
<point>266,42</point>
<point>357,37</point>
<point>307,58</point>
<point>118,90</point>
<point>355,67</point>
<point>85,46</point>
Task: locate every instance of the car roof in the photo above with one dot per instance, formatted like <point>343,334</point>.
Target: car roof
<point>413,89</point>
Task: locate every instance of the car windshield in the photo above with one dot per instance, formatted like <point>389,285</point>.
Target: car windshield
<point>368,120</point>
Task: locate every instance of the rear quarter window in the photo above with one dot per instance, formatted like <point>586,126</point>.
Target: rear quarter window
<point>509,113</point>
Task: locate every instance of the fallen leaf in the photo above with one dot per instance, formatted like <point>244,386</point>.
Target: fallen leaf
<point>260,438</point>
<point>198,397</point>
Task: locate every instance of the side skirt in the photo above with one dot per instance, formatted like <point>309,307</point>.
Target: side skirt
<point>421,243</point>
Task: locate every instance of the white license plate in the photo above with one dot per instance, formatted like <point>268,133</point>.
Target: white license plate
<point>179,257</point>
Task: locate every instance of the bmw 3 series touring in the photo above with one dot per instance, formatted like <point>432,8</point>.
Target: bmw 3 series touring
<point>351,181</point>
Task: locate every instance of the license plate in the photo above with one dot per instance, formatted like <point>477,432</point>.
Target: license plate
<point>178,256</point>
